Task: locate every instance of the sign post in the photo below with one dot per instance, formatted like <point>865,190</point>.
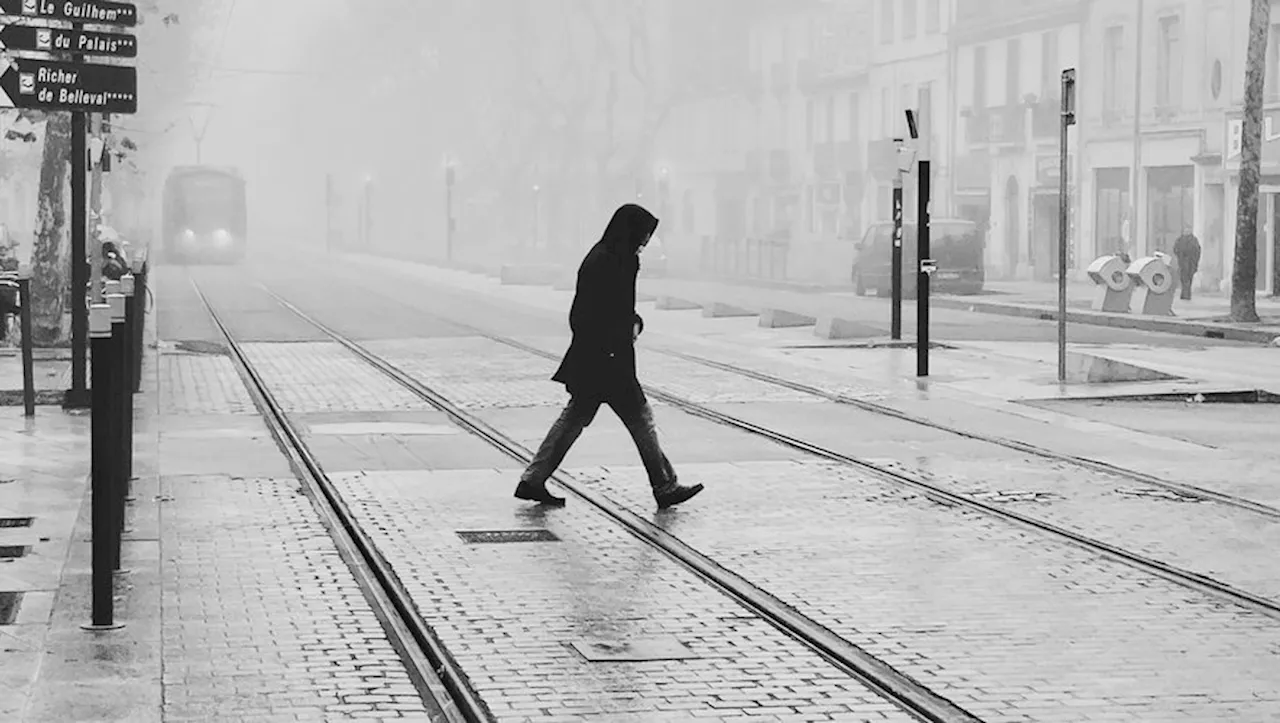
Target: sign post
<point>38,76</point>
<point>1068,120</point>
<point>919,126</point>
<point>896,266</point>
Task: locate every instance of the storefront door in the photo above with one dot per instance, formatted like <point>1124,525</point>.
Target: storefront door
<point>1268,227</point>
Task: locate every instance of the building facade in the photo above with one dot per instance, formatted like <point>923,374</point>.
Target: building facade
<point>1007,57</point>
<point>1157,98</point>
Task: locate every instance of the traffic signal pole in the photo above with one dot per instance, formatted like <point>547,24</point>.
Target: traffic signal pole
<point>896,272</point>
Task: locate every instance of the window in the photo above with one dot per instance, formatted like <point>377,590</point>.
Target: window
<point>1050,74</point>
<point>1113,71</point>
<point>980,101</point>
<point>910,21</point>
<point>933,16</point>
<point>886,22</point>
<point>831,120</point>
<point>886,113</point>
<point>809,123</point>
<point>855,113</point>
<point>1013,72</point>
<point>1169,63</point>
<point>979,79</point>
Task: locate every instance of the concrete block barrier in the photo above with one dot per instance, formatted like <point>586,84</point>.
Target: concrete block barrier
<point>782,319</point>
<point>833,327</point>
<point>721,310</point>
<point>671,303</point>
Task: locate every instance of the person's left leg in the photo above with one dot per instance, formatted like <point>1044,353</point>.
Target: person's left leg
<point>636,414</point>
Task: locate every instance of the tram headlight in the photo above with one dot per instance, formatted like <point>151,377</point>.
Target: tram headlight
<point>222,237</point>
<point>187,238</point>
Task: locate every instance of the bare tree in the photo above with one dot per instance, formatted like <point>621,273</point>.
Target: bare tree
<point>1245,271</point>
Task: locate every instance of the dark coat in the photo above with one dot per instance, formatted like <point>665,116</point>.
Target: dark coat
<point>601,360</point>
<point>1187,250</point>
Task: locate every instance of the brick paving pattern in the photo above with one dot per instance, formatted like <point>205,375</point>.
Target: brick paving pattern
<point>262,620</point>
<point>508,612</point>
<point>1009,625</point>
<point>201,384</point>
<point>316,377</point>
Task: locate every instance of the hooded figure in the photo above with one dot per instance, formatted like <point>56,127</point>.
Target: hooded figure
<point>600,365</point>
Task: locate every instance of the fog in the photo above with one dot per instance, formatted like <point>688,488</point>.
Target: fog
<point>754,129</point>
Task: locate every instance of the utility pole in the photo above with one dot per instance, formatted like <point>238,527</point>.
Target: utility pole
<point>1068,120</point>
<point>1138,246</point>
<point>78,396</point>
<point>920,129</point>
<point>896,265</point>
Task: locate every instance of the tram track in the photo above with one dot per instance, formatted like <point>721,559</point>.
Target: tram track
<point>1186,578</point>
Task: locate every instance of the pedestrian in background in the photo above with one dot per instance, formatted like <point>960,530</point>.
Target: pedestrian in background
<point>1186,249</point>
<point>600,365</point>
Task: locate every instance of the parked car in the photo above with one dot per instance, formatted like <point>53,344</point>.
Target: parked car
<point>653,260</point>
<point>957,245</point>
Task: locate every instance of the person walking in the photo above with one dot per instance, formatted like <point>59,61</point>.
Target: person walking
<point>1186,249</point>
<point>600,365</point>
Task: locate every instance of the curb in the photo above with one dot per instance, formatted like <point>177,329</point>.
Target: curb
<point>1208,330</point>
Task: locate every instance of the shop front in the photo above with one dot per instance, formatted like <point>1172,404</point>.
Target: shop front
<point>1268,233</point>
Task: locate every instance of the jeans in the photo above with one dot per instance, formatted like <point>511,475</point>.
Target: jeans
<point>631,407</point>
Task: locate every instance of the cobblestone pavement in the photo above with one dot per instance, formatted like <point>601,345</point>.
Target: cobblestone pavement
<point>322,376</point>
<point>262,618</point>
<point>1119,622</point>
<point>510,613</point>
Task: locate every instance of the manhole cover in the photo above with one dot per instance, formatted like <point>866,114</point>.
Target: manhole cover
<point>481,537</point>
<point>9,602</point>
<point>12,551</point>
<point>632,651</point>
<point>16,521</point>
<point>1158,493</point>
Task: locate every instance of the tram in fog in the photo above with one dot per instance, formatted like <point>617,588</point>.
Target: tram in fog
<point>204,215</point>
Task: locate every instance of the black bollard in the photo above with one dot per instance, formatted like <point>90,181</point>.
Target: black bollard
<point>103,471</point>
<point>139,319</point>
<point>28,344</point>
<point>130,361</point>
<point>117,392</point>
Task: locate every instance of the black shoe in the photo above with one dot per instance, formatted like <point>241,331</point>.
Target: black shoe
<point>537,493</point>
<point>674,494</point>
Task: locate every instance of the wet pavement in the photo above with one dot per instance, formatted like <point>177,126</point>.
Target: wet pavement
<point>258,618</point>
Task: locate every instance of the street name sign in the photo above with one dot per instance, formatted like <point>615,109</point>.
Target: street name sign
<point>87,88</point>
<point>92,12</point>
<point>61,40</point>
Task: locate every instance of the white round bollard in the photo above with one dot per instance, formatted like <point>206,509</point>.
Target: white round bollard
<point>1109,271</point>
<point>1153,274</point>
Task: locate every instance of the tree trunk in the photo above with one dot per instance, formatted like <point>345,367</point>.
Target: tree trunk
<point>49,257</point>
<point>1244,274</point>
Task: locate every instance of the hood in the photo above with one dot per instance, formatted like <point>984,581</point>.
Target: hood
<point>630,225</point>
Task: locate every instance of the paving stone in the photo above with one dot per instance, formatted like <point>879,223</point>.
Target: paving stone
<point>989,615</point>
<point>251,583</point>
<point>508,611</point>
<point>192,384</point>
<point>314,377</point>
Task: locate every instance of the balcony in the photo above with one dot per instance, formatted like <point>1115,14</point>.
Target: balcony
<point>832,159</point>
<point>780,166</point>
<point>780,79</point>
<point>1004,125</point>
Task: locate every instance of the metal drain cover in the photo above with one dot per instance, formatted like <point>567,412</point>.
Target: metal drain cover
<point>12,551</point>
<point>16,521</point>
<point>633,651</point>
<point>483,537</point>
<point>9,603</point>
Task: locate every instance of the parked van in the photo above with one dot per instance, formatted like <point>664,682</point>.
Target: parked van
<point>957,245</point>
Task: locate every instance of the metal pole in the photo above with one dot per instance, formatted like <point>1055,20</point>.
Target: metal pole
<point>102,472</point>
<point>94,238</point>
<point>113,360</point>
<point>127,287</point>
<point>896,270</point>
<point>1136,170</point>
<point>922,284</point>
<point>28,344</point>
<point>139,319</point>
<point>1068,119</point>
<point>78,396</point>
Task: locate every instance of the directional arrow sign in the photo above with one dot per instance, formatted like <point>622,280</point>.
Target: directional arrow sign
<point>93,12</point>
<point>89,88</point>
<point>58,40</point>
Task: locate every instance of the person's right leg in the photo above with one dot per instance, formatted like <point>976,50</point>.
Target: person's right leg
<point>577,415</point>
<point>1186,285</point>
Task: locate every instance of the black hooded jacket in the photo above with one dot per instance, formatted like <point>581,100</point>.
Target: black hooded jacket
<point>601,360</point>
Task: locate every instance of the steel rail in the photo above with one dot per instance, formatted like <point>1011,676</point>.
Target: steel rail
<point>438,678</point>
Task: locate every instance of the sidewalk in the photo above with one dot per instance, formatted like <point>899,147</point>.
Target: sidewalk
<point>236,604</point>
